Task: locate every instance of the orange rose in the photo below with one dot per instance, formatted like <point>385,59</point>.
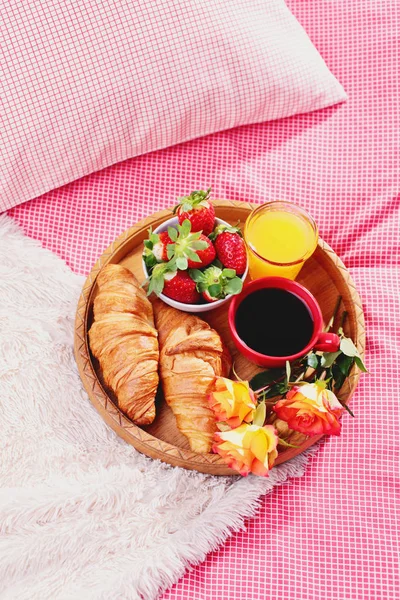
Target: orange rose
<point>248,448</point>
<point>311,409</point>
<point>232,402</point>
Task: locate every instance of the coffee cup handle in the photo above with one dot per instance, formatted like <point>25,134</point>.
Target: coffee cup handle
<point>327,342</point>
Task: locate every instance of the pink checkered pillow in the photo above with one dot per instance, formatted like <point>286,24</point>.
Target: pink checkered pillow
<point>86,84</point>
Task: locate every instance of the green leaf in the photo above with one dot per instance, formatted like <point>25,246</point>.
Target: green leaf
<point>199,245</point>
<point>192,255</point>
<point>201,286</point>
<point>338,376</point>
<point>215,290</point>
<point>347,347</point>
<point>150,261</point>
<point>148,244</point>
<point>182,263</point>
<point>185,228</point>
<point>196,275</point>
<point>233,286</point>
<point>228,273</point>
<point>277,389</point>
<point>360,364</point>
<point>156,285</point>
<point>312,360</point>
<point>265,378</point>
<point>170,250</point>
<point>260,414</point>
<point>345,363</point>
<point>173,233</point>
<point>328,358</point>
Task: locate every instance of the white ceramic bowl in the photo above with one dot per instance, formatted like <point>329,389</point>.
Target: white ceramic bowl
<point>193,308</point>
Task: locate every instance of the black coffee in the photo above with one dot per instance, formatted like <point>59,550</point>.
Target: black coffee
<point>274,322</point>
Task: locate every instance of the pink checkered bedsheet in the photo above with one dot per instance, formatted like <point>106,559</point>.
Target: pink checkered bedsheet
<point>332,534</point>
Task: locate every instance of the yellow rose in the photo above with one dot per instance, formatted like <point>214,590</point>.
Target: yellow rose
<point>311,409</point>
<point>232,402</point>
<point>248,448</point>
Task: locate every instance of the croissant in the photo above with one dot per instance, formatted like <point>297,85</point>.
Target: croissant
<point>191,356</point>
<point>124,340</point>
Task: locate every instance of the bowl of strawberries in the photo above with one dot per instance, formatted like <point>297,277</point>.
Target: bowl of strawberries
<point>194,261</point>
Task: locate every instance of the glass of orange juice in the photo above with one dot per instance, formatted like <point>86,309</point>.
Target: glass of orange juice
<point>279,236</point>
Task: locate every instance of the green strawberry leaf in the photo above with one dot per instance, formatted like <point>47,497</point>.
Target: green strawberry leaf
<point>148,244</point>
<point>173,233</point>
<point>228,273</point>
<point>156,285</point>
<point>234,286</point>
<point>182,263</point>
<point>192,255</point>
<point>150,261</point>
<point>170,251</point>
<point>196,275</point>
<point>199,245</point>
<point>215,290</point>
<point>185,228</point>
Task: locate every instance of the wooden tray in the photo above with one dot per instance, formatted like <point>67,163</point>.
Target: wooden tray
<point>323,274</point>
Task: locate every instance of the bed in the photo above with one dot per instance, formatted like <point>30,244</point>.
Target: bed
<point>332,533</point>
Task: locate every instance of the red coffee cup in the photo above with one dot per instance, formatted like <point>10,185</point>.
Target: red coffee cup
<point>326,342</point>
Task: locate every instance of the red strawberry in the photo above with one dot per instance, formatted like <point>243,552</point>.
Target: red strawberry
<point>198,209</point>
<point>155,248</point>
<point>189,249</point>
<point>230,247</point>
<point>206,256</point>
<point>160,247</point>
<point>215,283</point>
<point>181,287</point>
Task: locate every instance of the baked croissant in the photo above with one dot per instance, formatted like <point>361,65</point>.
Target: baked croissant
<point>124,340</point>
<point>191,356</point>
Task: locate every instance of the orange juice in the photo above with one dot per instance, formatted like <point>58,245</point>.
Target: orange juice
<point>280,236</point>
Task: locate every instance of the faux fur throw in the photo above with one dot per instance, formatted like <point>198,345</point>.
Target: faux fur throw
<point>82,513</point>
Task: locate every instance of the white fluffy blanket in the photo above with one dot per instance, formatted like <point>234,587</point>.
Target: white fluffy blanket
<point>83,514</point>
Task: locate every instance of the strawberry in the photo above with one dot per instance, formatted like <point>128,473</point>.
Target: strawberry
<point>175,284</point>
<point>215,283</point>
<point>230,248</point>
<point>188,249</point>
<point>206,256</point>
<point>181,287</point>
<point>155,248</point>
<point>198,209</point>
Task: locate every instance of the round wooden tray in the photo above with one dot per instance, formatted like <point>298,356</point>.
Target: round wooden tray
<point>323,274</point>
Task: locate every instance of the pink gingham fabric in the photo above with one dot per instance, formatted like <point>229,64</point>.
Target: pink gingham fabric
<point>84,85</point>
<point>334,533</point>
